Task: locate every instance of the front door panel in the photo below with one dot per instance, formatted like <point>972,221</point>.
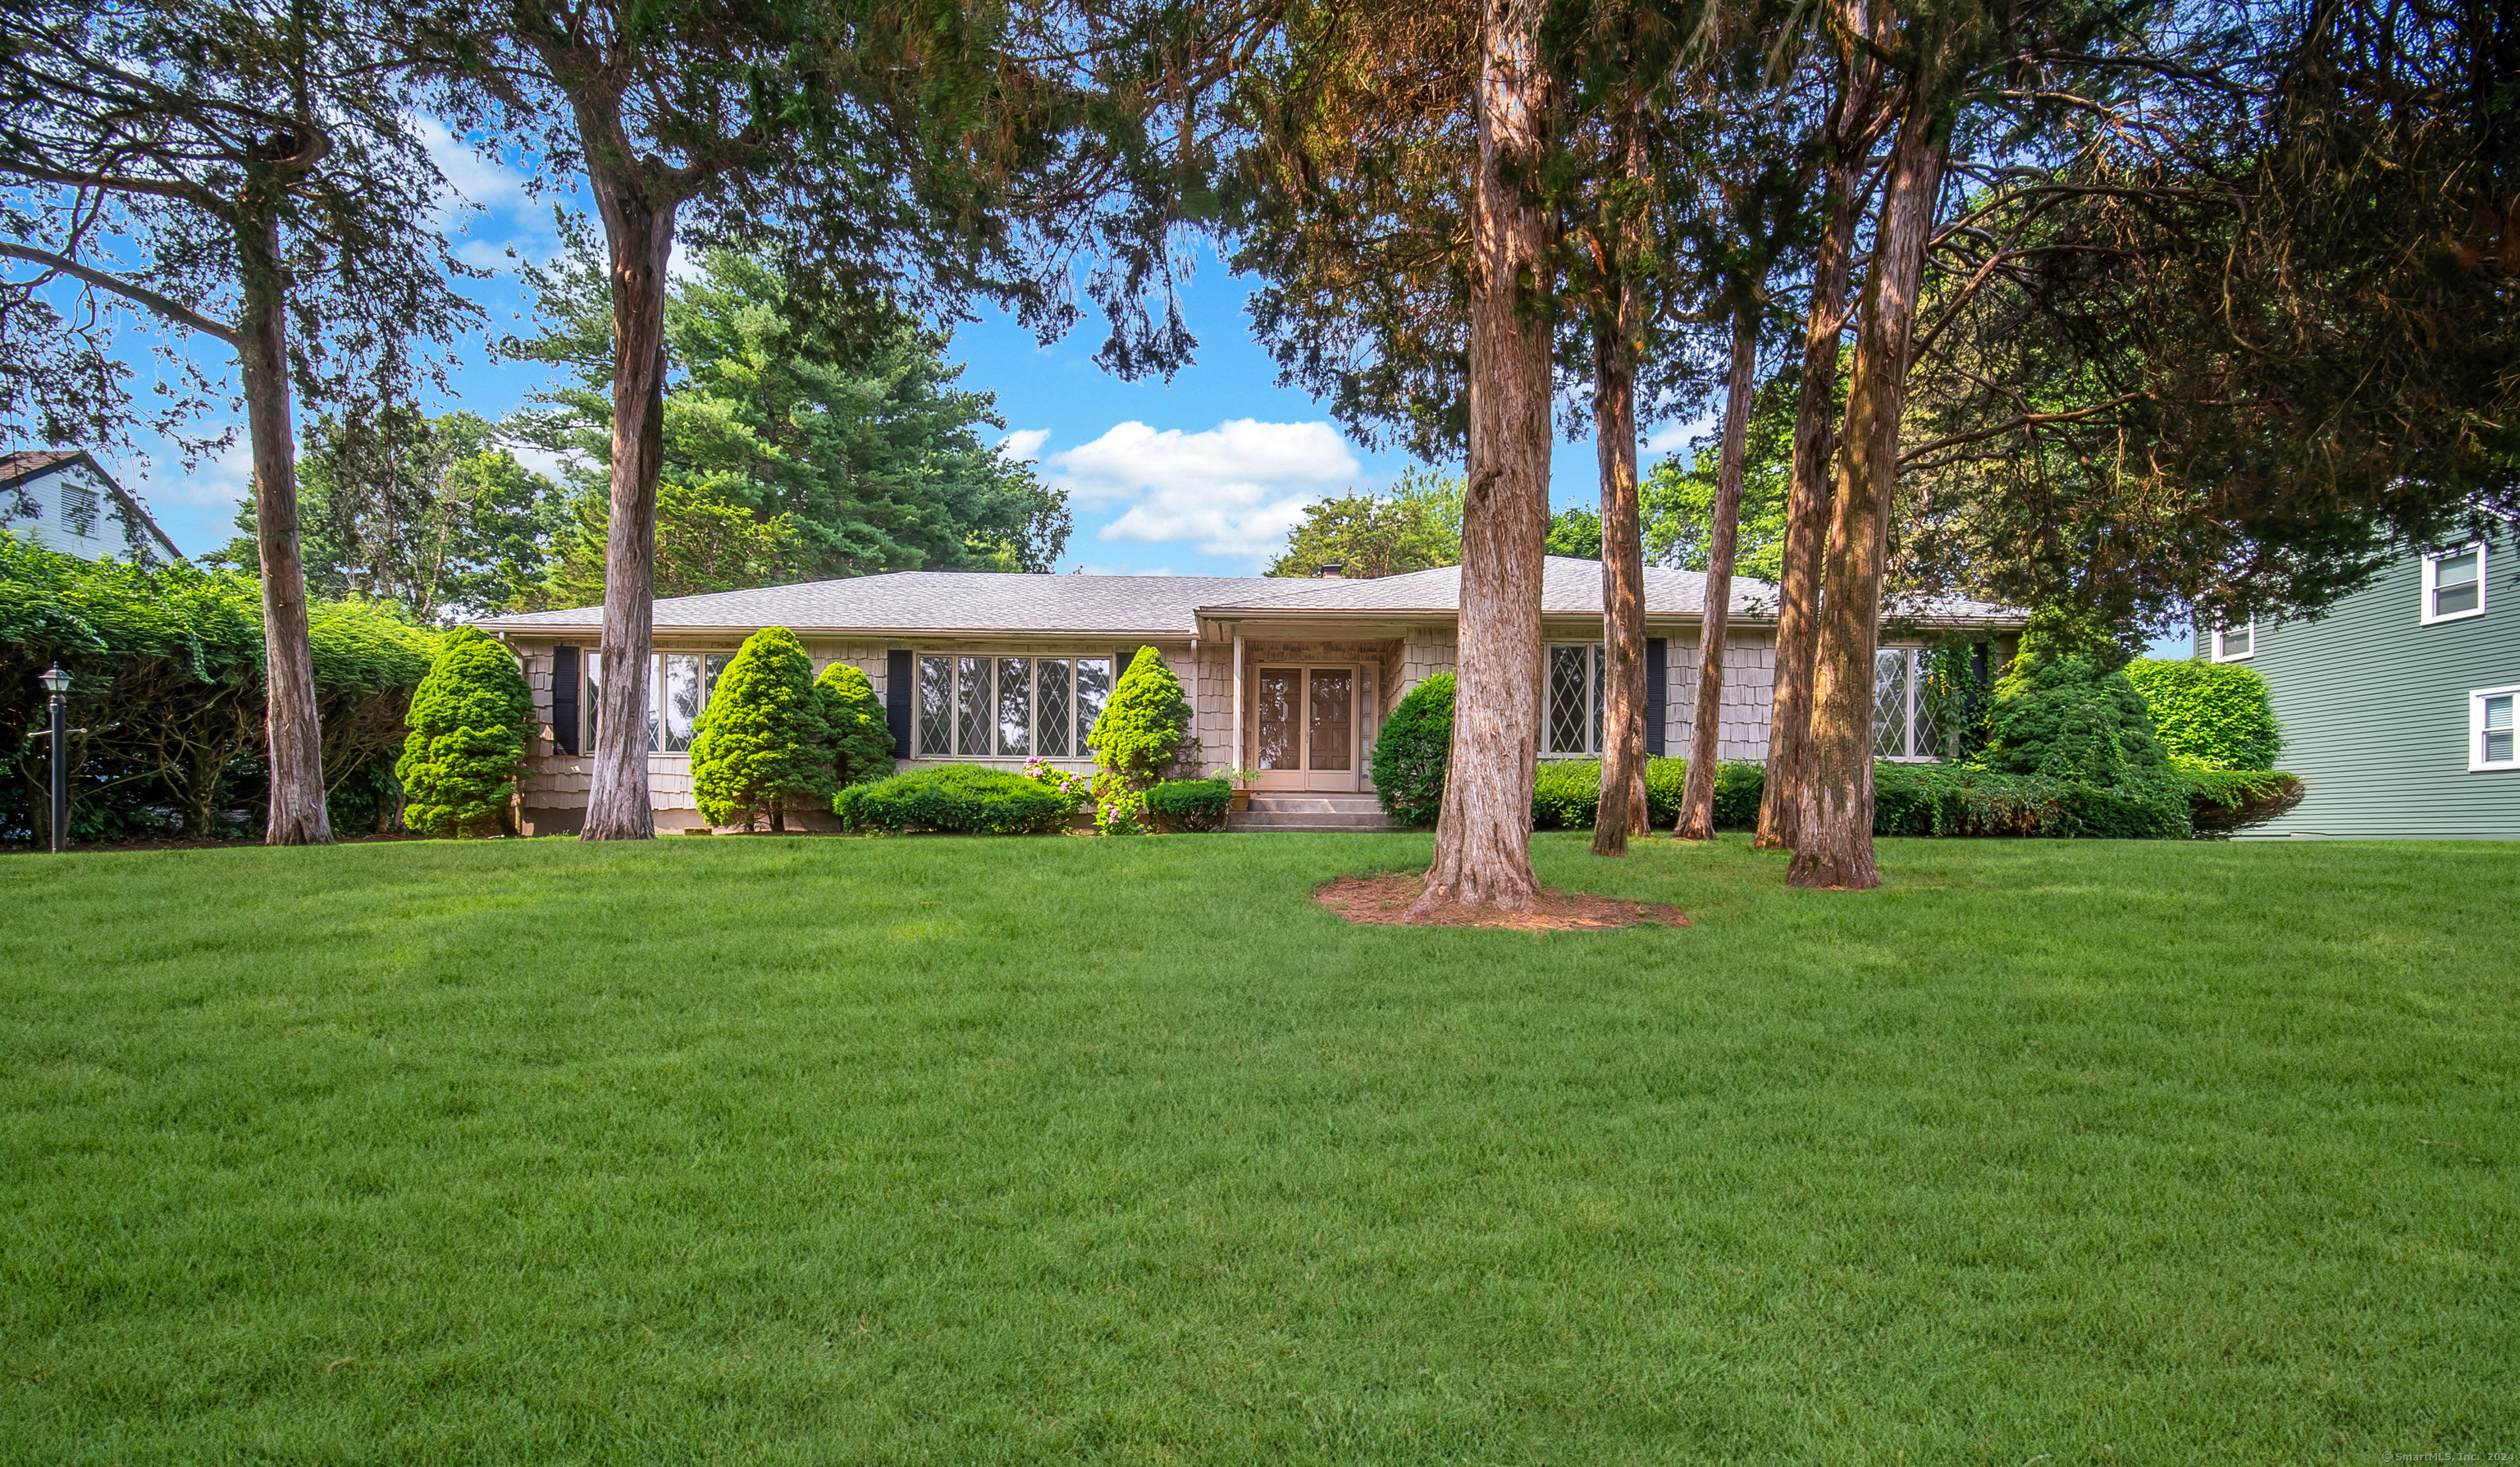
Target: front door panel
<point>1304,728</point>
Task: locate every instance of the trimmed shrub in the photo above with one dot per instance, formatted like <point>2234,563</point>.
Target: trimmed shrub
<point>468,721</point>
<point>1145,727</point>
<point>1181,804</point>
<point>1566,795</point>
<point>965,799</point>
<point>1410,754</point>
<point>861,737</point>
<point>761,743</point>
<point>2221,802</point>
<point>1959,799</point>
<point>2066,708</point>
<point>2218,714</point>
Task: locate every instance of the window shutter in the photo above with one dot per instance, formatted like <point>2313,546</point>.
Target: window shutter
<point>565,699</point>
<point>900,675</point>
<point>1657,685</point>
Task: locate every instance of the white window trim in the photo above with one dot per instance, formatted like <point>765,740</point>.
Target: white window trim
<point>2432,566</point>
<point>2236,656</point>
<point>2476,761</point>
<point>1916,683</point>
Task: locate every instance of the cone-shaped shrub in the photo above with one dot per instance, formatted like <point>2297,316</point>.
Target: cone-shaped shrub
<point>761,744</point>
<point>1143,728</point>
<point>1410,755</point>
<point>468,722</point>
<point>2065,709</point>
<point>861,738</point>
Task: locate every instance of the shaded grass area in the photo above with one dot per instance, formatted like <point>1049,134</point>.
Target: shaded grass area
<point>945,1151</point>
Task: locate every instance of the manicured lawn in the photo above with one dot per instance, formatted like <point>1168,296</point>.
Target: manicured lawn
<point>823,1151</point>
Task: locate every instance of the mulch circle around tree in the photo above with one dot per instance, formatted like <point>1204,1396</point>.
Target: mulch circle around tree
<point>1386,898</point>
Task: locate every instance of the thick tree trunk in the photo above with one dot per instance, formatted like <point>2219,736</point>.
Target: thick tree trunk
<point>297,815</point>
<point>1623,811</point>
<point>1833,846</point>
<point>641,240</point>
<point>1723,541</point>
<point>1483,838</point>
<point>1807,506</point>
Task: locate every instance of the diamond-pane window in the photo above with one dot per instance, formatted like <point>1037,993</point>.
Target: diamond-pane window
<point>1890,703</point>
<point>1093,689</point>
<point>973,709</point>
<point>936,708</point>
<point>1566,710</point>
<point>1014,705</point>
<point>1053,715</point>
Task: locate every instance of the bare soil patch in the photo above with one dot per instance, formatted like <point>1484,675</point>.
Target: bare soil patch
<point>1386,898</point>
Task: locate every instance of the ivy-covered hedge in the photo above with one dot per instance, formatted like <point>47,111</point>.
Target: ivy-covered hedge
<point>2217,714</point>
<point>963,798</point>
<point>2221,802</point>
<point>166,677</point>
<point>1182,804</point>
<point>1959,799</point>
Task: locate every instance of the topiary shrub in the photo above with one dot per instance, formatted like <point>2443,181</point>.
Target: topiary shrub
<point>1185,804</point>
<point>469,720</point>
<point>1410,754</point>
<point>861,738</point>
<point>1142,736</point>
<point>761,744</point>
<point>963,798</point>
<point>2218,714</point>
<point>2066,708</point>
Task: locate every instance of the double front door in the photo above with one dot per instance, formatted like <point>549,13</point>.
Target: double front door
<point>1304,726</point>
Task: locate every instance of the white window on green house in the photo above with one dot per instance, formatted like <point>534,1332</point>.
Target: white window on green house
<point>1902,718</point>
<point>2234,643</point>
<point>972,707</point>
<point>2455,586</point>
<point>2490,729</point>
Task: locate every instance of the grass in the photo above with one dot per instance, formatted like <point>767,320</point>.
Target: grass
<point>959,1151</point>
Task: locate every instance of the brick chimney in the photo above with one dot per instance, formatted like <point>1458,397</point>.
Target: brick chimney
<point>1330,570</point>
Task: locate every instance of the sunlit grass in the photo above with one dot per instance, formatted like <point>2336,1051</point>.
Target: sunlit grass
<point>964,1151</point>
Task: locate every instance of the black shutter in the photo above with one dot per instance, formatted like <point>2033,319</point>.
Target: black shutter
<point>565,699</point>
<point>900,672</point>
<point>1657,691</point>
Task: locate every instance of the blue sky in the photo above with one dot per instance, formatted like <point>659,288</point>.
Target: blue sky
<point>1202,474</point>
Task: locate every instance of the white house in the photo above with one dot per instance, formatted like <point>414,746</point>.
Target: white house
<point>62,499</point>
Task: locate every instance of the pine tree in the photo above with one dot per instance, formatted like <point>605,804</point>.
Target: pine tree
<point>467,746</point>
<point>762,744</point>
<point>862,747</point>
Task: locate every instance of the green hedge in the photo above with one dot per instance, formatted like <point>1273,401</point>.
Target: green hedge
<point>2218,714</point>
<point>2221,802</point>
<point>1181,804</point>
<point>1566,795</point>
<point>1409,753</point>
<point>967,799</point>
<point>1957,799</point>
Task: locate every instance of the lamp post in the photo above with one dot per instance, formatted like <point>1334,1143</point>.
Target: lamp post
<point>57,683</point>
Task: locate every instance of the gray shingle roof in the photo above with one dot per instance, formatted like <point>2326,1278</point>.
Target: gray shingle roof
<point>983,603</point>
<point>948,602</point>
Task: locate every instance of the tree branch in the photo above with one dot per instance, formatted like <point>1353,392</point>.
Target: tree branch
<point>2027,420</point>
<point>165,305</point>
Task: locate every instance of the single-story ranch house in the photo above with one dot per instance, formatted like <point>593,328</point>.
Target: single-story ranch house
<point>1290,677</point>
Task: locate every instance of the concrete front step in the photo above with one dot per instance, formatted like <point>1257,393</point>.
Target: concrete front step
<point>1310,820</point>
<point>1315,805</point>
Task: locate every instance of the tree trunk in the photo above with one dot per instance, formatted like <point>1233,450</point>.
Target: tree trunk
<point>1623,809</point>
<point>1714,623</point>
<point>1483,838</point>
<point>297,815</point>
<point>1807,506</point>
<point>640,235</point>
<point>1833,847</point>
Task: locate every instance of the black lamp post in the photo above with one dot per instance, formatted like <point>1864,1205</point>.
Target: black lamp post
<point>57,683</point>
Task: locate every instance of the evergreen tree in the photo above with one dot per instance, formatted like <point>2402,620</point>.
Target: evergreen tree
<point>762,743</point>
<point>2066,708</point>
<point>1144,728</point>
<point>860,736</point>
<point>468,724</point>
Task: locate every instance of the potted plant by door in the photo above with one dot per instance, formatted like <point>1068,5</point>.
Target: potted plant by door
<point>1239,801</point>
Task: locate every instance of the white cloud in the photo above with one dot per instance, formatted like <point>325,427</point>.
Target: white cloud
<point>1672,437</point>
<point>472,178</point>
<point>541,460</point>
<point>1235,489</point>
<point>1025,443</point>
<point>218,482</point>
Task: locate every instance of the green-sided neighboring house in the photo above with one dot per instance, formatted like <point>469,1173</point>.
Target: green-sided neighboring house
<point>2398,705</point>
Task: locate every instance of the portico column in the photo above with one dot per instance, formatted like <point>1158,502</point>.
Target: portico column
<point>1238,700</point>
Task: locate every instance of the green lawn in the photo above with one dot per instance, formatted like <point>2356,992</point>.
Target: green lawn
<point>826,1151</point>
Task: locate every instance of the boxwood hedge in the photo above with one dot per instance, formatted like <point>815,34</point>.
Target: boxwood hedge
<point>963,798</point>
